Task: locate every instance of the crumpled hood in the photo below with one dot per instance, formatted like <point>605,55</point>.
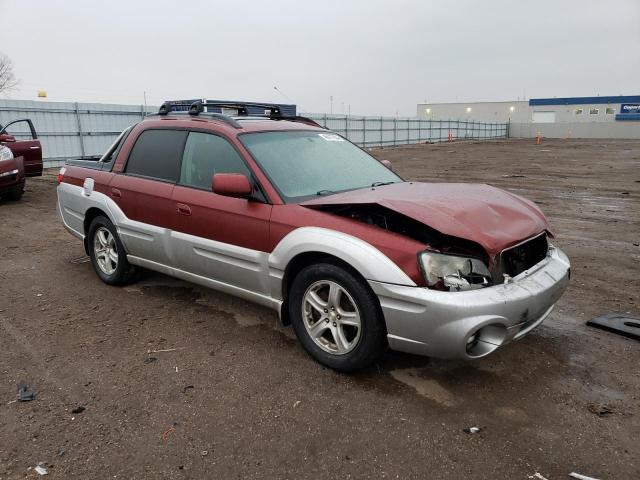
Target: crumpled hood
<point>493,218</point>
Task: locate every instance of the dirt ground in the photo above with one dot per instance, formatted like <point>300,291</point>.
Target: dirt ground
<point>239,398</point>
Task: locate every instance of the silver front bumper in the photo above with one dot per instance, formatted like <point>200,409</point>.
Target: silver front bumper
<point>439,324</point>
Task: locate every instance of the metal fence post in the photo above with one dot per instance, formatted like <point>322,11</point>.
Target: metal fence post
<point>364,131</point>
<point>80,134</point>
<point>346,127</point>
<point>324,120</point>
<point>381,123</point>
<point>142,112</point>
<point>395,130</point>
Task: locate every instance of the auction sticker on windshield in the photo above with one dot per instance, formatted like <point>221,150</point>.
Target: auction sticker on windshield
<point>331,137</point>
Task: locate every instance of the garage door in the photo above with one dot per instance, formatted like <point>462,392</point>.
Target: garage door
<point>543,117</point>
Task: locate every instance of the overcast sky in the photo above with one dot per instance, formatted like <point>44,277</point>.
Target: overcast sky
<point>380,57</point>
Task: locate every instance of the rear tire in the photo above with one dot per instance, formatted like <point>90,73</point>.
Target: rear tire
<point>336,317</point>
<point>107,253</point>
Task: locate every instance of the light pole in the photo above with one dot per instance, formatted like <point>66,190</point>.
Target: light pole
<point>282,93</point>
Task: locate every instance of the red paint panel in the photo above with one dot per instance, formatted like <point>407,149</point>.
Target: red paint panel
<point>401,250</point>
<point>236,221</point>
<point>12,182</point>
<point>143,200</point>
<point>31,150</point>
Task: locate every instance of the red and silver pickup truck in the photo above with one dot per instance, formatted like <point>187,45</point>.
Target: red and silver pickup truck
<point>282,212</point>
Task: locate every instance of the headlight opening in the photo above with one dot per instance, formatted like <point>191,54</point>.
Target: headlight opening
<point>454,273</point>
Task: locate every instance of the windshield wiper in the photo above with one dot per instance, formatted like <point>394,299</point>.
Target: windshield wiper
<point>325,192</point>
<point>380,184</point>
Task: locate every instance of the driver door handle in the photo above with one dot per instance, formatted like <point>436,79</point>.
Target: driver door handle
<point>183,209</point>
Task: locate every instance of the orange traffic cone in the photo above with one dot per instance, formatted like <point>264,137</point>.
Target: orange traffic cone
<point>538,138</point>
<point>450,137</point>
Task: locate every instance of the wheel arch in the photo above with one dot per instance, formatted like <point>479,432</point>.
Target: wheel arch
<point>301,261</point>
<point>89,216</point>
<point>308,245</point>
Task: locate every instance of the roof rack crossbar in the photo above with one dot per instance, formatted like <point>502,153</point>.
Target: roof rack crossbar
<point>195,109</point>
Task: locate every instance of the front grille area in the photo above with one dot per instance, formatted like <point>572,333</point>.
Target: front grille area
<point>516,260</point>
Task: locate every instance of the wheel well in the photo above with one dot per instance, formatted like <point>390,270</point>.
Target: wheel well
<point>296,264</point>
<point>92,213</point>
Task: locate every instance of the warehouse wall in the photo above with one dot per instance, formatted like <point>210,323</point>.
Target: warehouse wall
<point>576,130</point>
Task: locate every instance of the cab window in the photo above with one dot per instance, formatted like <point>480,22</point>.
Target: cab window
<point>204,156</point>
<point>156,154</point>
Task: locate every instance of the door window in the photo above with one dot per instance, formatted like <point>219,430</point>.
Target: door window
<point>156,154</point>
<point>21,129</point>
<point>204,156</point>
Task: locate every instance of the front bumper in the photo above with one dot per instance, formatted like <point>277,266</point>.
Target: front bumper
<point>440,324</point>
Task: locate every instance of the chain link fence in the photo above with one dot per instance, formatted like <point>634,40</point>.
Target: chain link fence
<point>70,130</point>
<point>383,131</point>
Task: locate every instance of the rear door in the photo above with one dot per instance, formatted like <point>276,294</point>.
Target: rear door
<point>26,145</point>
<point>218,237</point>
<point>143,194</point>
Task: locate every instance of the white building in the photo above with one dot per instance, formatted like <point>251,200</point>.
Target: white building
<point>552,117</point>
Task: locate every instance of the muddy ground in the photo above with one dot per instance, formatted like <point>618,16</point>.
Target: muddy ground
<point>238,397</point>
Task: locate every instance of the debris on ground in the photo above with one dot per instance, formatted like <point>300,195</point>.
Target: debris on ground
<point>164,350</point>
<point>471,429</point>
<point>600,409</point>
<point>581,477</point>
<point>24,394</point>
<point>150,359</point>
<point>538,476</point>
<point>619,323</point>
<point>513,176</point>
<point>62,451</point>
<point>78,409</point>
<point>297,402</point>
<point>167,431</point>
<point>204,453</point>
<point>41,470</point>
<point>188,387</point>
<point>79,260</point>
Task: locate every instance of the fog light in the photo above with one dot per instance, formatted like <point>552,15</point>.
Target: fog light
<point>485,340</point>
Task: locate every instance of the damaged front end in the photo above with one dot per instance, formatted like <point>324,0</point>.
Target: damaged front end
<point>449,263</point>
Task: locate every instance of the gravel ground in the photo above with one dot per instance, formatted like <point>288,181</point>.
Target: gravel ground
<point>236,397</point>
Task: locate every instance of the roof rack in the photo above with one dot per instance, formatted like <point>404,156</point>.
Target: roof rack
<point>244,109</point>
<point>194,109</point>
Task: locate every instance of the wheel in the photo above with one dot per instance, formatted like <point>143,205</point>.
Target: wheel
<point>107,253</point>
<point>337,317</point>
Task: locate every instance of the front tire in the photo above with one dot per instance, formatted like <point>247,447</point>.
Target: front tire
<point>107,253</point>
<point>336,317</point>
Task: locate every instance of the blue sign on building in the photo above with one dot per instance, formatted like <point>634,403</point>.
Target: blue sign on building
<point>630,108</point>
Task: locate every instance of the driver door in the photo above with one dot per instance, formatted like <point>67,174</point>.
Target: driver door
<point>221,238</point>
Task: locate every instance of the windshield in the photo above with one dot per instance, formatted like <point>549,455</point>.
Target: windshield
<point>306,164</point>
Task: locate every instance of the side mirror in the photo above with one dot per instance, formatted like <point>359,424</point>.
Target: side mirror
<point>231,185</point>
<point>5,137</point>
<point>387,164</point>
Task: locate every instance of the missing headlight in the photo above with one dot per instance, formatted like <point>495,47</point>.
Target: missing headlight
<point>453,273</point>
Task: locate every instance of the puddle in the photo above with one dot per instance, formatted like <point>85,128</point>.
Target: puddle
<point>427,387</point>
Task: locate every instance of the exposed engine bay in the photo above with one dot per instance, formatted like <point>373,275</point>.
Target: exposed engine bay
<point>509,263</point>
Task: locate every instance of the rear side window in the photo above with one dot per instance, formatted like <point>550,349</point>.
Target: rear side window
<point>157,154</point>
<point>206,155</point>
